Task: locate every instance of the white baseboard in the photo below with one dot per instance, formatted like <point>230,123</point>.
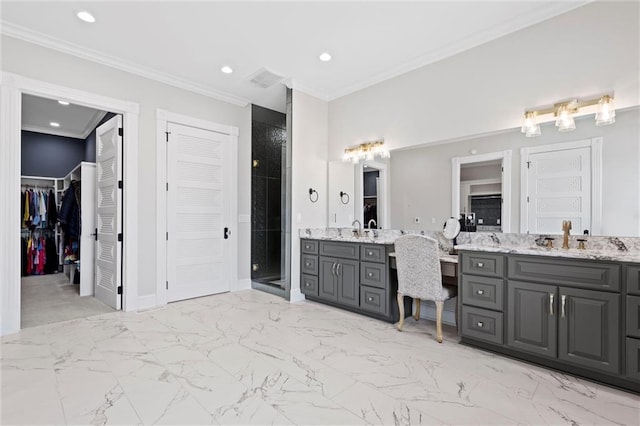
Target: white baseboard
<point>296,296</point>
<point>242,284</point>
<point>147,302</point>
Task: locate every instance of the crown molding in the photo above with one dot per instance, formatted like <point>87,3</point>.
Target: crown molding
<point>474,40</point>
<point>93,123</point>
<point>292,84</point>
<point>51,131</point>
<point>35,37</point>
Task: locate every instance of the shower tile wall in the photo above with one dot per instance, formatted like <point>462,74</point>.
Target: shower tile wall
<point>268,142</point>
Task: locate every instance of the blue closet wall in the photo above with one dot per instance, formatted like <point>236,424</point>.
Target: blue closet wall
<point>49,155</point>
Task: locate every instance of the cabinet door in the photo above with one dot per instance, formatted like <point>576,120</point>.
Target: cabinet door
<point>589,329</point>
<point>348,272</point>
<point>327,288</point>
<point>531,318</point>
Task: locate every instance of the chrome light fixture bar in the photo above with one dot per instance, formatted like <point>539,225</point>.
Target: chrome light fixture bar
<point>564,114</point>
<point>365,151</point>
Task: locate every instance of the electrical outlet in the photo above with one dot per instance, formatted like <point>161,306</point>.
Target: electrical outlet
<point>416,219</point>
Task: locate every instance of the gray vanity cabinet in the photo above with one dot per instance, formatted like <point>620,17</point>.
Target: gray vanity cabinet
<point>340,280</point>
<point>531,318</point>
<point>568,314</point>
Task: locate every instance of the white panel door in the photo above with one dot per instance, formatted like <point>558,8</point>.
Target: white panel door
<point>559,189</point>
<point>109,212</point>
<point>198,210</point>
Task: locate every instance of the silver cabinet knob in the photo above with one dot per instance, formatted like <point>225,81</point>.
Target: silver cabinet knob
<point>480,265</point>
<point>307,247</point>
<point>370,299</point>
<point>480,292</point>
<point>480,324</point>
<point>370,253</point>
<point>370,274</point>
<point>307,284</point>
<point>307,264</point>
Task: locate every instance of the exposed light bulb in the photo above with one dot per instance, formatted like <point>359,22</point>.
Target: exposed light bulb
<point>529,126</point>
<point>564,120</point>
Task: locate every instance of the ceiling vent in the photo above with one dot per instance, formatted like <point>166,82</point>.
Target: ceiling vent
<point>265,78</point>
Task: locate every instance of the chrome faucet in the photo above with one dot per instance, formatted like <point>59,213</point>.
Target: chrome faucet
<point>375,225</point>
<point>357,231</point>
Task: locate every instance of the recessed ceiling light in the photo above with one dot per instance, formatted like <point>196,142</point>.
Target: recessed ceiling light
<point>63,102</point>
<point>86,16</point>
<point>226,69</point>
<point>325,57</point>
<point>54,124</point>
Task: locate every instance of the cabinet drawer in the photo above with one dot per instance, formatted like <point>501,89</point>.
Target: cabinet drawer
<point>373,274</point>
<point>483,292</point>
<point>482,324</point>
<point>373,300</point>
<point>371,253</point>
<point>487,264</point>
<point>633,280</point>
<point>309,285</point>
<point>633,316</point>
<point>338,249</point>
<point>309,246</point>
<point>633,359</point>
<point>573,273</point>
<point>309,264</point>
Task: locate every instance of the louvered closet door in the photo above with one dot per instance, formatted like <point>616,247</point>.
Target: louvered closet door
<point>109,212</point>
<point>198,210</point>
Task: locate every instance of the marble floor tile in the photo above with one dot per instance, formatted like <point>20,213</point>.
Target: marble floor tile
<point>252,358</point>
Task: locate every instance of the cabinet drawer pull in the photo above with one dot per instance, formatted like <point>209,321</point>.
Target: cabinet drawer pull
<point>480,324</point>
<point>551,304</point>
<point>370,253</point>
<point>563,301</point>
<point>307,264</point>
<point>333,269</point>
<point>307,247</point>
<point>480,265</point>
<point>480,292</point>
<point>307,284</point>
<point>338,269</point>
<point>370,299</point>
<point>370,274</point>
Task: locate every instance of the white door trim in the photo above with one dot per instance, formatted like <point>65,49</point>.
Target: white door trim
<point>384,219</point>
<point>505,156</point>
<point>596,178</point>
<point>164,117</point>
<point>12,86</point>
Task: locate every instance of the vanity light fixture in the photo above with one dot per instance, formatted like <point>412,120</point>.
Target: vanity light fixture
<point>563,113</point>
<point>365,151</point>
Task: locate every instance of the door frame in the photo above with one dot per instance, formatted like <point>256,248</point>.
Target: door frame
<point>163,118</point>
<point>505,156</point>
<point>384,208</point>
<point>596,178</point>
<point>12,86</point>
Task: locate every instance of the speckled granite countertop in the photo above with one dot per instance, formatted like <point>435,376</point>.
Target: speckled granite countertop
<point>619,249</point>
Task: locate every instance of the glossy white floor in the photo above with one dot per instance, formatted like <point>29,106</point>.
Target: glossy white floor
<point>252,358</point>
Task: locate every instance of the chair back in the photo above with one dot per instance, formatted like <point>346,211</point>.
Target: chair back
<point>418,263</point>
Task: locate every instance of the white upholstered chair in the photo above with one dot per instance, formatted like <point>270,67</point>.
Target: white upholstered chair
<point>420,277</point>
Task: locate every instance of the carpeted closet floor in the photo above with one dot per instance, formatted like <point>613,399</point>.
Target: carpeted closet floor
<point>47,299</point>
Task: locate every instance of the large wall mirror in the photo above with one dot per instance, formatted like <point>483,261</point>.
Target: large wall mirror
<point>426,186</point>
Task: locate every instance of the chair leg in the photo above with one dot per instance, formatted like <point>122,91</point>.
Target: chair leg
<point>439,306</point>
<point>401,309</point>
<point>416,315</point>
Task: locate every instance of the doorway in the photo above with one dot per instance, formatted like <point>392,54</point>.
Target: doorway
<point>11,91</point>
<point>61,202</point>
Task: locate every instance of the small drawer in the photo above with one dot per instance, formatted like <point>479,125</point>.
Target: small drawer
<point>487,264</point>
<point>633,280</point>
<point>633,359</point>
<point>309,264</point>
<point>482,324</point>
<point>309,246</point>
<point>483,292</point>
<point>340,249</point>
<point>371,253</point>
<point>633,316</point>
<point>309,285</point>
<point>567,272</point>
<point>373,274</point>
<point>373,300</point>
